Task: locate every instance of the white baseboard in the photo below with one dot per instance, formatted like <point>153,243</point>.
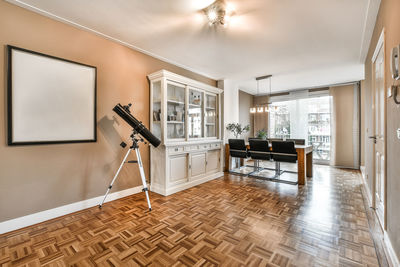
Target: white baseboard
<point>369,195</point>
<point>42,216</point>
<point>390,252</point>
<point>344,167</point>
<point>159,189</point>
<point>362,169</point>
<point>366,187</point>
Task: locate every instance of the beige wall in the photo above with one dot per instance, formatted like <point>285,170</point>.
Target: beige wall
<point>245,117</point>
<point>36,178</point>
<point>389,19</point>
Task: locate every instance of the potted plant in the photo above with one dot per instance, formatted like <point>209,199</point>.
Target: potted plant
<point>237,129</point>
<point>263,134</point>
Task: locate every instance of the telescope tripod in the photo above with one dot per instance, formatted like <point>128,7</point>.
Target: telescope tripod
<point>134,146</point>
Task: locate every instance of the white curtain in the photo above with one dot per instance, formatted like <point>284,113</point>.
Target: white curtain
<point>345,126</point>
<point>333,126</point>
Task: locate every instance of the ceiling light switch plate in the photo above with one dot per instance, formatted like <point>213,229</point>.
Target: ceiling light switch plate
<point>398,133</point>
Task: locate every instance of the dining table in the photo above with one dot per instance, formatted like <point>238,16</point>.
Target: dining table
<point>304,161</point>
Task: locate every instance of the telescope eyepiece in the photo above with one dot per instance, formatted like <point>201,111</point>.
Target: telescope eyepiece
<point>127,107</point>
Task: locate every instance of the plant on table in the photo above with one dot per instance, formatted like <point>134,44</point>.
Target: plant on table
<point>262,134</point>
<point>237,129</point>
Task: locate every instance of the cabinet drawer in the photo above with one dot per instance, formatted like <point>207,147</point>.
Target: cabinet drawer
<point>215,146</point>
<point>177,149</point>
<point>199,147</point>
<point>195,147</point>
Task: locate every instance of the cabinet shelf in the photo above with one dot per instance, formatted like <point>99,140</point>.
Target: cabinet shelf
<point>194,106</point>
<point>176,122</point>
<point>210,108</point>
<point>175,102</point>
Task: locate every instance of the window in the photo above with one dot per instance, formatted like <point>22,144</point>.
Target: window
<point>308,119</point>
<point>319,127</point>
<point>279,123</point>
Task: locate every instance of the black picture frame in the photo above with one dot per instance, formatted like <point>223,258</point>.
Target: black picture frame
<point>10,139</point>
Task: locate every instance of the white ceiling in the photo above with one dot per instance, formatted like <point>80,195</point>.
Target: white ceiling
<point>302,43</point>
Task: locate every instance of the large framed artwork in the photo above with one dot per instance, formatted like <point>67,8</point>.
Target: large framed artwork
<point>50,100</point>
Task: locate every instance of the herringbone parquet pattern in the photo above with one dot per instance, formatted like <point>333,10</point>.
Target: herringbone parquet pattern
<point>231,221</point>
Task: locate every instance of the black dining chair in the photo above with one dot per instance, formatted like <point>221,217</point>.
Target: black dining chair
<point>298,141</point>
<point>259,150</point>
<point>238,150</point>
<point>254,138</point>
<point>274,139</point>
<point>284,151</point>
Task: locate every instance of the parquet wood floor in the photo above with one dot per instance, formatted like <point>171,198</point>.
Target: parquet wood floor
<point>230,221</point>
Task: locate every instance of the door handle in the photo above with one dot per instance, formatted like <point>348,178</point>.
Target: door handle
<point>373,137</point>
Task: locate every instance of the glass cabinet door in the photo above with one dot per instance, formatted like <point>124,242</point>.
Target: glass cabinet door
<point>195,114</point>
<point>211,115</point>
<point>175,111</point>
<point>156,101</point>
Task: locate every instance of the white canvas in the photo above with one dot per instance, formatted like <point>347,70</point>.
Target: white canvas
<point>52,100</point>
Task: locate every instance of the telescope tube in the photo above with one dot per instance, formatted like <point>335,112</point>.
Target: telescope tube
<point>136,125</point>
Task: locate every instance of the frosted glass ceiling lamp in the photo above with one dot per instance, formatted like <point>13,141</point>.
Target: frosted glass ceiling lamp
<point>270,108</point>
<point>255,109</point>
<point>219,13</point>
<point>212,15</point>
<point>262,108</point>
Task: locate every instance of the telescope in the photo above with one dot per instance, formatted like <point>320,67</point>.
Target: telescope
<point>126,115</point>
<point>138,129</point>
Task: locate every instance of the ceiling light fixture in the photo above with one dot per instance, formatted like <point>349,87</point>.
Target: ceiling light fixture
<point>219,13</point>
<point>212,15</point>
<point>264,107</point>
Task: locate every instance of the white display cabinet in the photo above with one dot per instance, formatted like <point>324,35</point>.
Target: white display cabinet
<point>185,116</point>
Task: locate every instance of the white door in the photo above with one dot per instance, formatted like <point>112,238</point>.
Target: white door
<point>178,169</point>
<point>379,137</point>
<point>197,164</point>
<point>213,161</point>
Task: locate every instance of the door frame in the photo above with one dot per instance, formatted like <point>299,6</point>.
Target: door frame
<point>380,45</point>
